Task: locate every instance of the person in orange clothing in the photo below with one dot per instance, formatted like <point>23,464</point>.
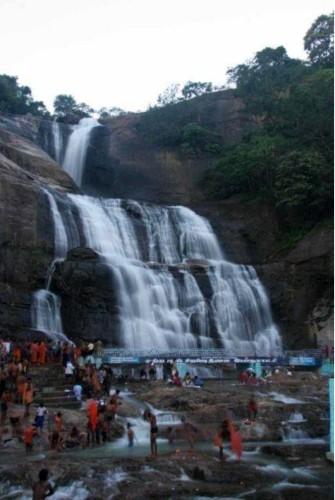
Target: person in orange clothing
<point>28,436</point>
<point>17,354</point>
<point>95,382</point>
<point>76,353</point>
<point>42,353</point>
<point>93,414</point>
<point>59,422</point>
<point>28,396</point>
<point>20,384</point>
<point>33,352</point>
<point>236,440</point>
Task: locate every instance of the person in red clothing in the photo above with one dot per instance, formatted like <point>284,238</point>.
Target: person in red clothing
<point>252,409</point>
<point>33,353</point>
<point>59,422</point>
<point>42,353</point>
<point>17,354</point>
<point>28,436</point>
<point>236,440</point>
<point>243,377</point>
<point>93,414</point>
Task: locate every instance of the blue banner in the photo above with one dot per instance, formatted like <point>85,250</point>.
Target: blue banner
<point>302,361</point>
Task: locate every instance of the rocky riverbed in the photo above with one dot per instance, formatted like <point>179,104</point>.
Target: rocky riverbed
<point>274,464</point>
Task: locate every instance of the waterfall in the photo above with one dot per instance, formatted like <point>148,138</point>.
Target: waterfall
<point>45,314</point>
<point>46,306</point>
<point>175,288</point>
<point>75,154</point>
<point>150,251</point>
<point>58,141</point>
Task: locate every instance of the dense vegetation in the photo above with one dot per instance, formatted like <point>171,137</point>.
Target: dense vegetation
<point>18,99</point>
<point>287,156</point>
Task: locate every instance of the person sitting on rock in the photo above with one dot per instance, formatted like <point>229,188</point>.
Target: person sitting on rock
<point>187,379</point>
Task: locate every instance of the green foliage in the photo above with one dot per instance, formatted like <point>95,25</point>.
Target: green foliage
<point>17,99</point>
<point>267,77</point>
<point>195,89</point>
<point>196,139</point>
<point>247,168</point>
<point>319,41</point>
<point>173,127</point>
<point>305,113</point>
<point>288,157</point>
<point>303,179</point>
<point>67,110</point>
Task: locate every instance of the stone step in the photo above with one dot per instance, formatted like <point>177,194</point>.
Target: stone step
<point>66,405</point>
<point>59,393</point>
<point>58,401</point>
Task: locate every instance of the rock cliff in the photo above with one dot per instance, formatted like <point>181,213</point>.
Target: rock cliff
<point>120,163</point>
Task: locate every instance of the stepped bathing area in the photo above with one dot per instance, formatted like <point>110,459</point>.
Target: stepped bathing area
<point>107,426</point>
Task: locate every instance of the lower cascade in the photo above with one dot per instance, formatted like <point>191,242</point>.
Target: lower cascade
<point>175,289</point>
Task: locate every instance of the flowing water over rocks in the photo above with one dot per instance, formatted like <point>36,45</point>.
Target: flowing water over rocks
<point>152,255</point>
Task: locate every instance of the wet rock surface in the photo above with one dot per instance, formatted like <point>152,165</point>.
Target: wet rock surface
<point>269,469</point>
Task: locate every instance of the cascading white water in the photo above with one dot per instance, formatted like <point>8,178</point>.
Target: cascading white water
<point>58,141</point>
<point>160,301</point>
<point>45,307</point>
<point>151,252</point>
<point>78,142</point>
<point>45,314</point>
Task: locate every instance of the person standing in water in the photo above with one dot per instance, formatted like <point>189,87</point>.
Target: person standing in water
<point>189,432</point>
<point>223,435</point>
<point>153,432</point>
<point>42,488</point>
<point>130,435</point>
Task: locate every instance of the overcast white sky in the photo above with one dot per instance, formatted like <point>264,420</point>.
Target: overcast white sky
<point>125,52</point>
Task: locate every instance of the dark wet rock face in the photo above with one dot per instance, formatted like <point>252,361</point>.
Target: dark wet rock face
<point>26,231</point>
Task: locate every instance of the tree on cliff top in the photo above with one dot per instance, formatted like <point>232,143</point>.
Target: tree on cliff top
<point>319,41</point>
<point>195,89</point>
<point>17,99</point>
<point>67,109</point>
<point>265,78</point>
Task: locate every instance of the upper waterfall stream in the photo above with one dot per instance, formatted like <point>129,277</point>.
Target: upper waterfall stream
<point>75,153</point>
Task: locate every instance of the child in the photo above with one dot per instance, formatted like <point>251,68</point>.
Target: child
<point>131,436</point>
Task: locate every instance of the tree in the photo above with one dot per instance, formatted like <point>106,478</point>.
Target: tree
<point>170,95</point>
<point>248,167</point>
<point>265,78</point>
<point>196,139</point>
<point>195,89</point>
<point>106,113</point>
<point>18,99</point>
<point>67,110</point>
<point>305,113</point>
<point>304,181</point>
<point>319,41</point>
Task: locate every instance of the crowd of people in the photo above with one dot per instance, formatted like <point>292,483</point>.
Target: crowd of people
<point>29,419</point>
